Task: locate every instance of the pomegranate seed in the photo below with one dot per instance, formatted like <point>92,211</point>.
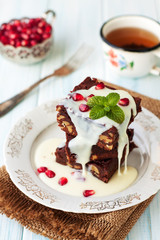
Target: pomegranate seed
<point>87,98</point>
<point>123,102</point>
<point>25,36</point>
<point>4,40</point>
<point>24,30</point>
<point>41,169</point>
<point>100,86</point>
<point>3,27</point>
<point>9,27</point>
<point>88,193</point>
<point>40,30</point>
<point>29,31</point>
<point>50,173</point>
<point>37,20</point>
<point>19,28</point>
<point>84,108</point>
<point>33,42</point>
<point>62,181</point>
<point>24,43</point>
<point>13,35</point>
<point>17,23</point>
<point>32,21</point>
<point>23,24</point>
<point>36,37</point>
<point>46,35</point>
<point>18,43</point>
<point>42,24</point>
<point>48,28</point>
<point>77,97</point>
<point>12,42</point>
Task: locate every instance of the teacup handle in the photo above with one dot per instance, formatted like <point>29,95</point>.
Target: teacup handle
<point>47,13</point>
<point>156,70</point>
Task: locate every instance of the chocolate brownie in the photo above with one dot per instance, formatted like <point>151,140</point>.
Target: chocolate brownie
<point>103,160</point>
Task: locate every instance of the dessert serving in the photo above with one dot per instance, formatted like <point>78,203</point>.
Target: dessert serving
<point>95,119</point>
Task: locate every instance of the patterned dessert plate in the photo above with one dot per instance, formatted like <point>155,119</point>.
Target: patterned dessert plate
<point>40,124</point>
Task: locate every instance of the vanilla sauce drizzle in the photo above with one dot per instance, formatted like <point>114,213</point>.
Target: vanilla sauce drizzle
<point>88,130</point>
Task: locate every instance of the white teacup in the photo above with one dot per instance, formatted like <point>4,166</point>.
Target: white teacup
<point>131,63</point>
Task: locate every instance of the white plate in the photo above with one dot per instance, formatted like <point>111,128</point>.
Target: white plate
<point>41,124</point>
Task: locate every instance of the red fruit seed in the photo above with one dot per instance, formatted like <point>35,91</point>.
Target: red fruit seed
<point>24,43</point>
<point>88,193</point>
<point>46,35</point>
<point>83,108</point>
<point>40,30</point>
<point>48,28</point>
<point>123,102</point>
<point>25,36</point>
<point>100,86</point>
<point>50,173</point>
<point>62,181</point>
<point>87,98</point>
<point>77,97</point>
<point>41,169</point>
<point>33,42</point>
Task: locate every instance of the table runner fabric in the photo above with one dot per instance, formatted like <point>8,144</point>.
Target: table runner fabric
<point>59,225</point>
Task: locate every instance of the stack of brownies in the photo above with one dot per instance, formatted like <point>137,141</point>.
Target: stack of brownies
<point>103,160</point>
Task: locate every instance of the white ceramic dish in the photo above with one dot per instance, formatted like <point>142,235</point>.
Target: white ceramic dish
<point>29,55</point>
<point>40,124</point>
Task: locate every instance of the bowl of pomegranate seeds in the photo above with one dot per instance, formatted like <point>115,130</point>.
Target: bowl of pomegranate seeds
<point>27,40</point>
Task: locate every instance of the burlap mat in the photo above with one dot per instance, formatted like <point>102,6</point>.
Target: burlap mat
<point>59,225</point>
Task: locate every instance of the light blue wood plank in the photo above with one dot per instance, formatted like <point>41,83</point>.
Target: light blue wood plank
<point>10,229</point>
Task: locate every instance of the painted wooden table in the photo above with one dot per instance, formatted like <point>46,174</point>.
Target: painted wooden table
<point>77,21</point>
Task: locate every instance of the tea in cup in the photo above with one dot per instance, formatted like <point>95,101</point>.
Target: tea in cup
<point>131,45</point>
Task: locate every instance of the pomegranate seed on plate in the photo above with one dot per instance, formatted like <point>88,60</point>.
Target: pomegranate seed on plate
<point>123,102</point>
<point>62,181</point>
<point>77,97</point>
<point>100,86</point>
<point>41,169</point>
<point>87,98</point>
<point>88,193</point>
<point>84,108</point>
<point>50,173</point>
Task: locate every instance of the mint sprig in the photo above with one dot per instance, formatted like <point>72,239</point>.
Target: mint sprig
<point>106,106</point>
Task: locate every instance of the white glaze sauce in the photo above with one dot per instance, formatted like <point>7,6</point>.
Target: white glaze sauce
<point>44,156</point>
<point>88,131</point>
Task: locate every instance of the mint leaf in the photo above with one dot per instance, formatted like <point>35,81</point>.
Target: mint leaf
<point>96,101</point>
<point>116,114</point>
<point>97,112</point>
<point>107,108</point>
<point>112,99</point>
